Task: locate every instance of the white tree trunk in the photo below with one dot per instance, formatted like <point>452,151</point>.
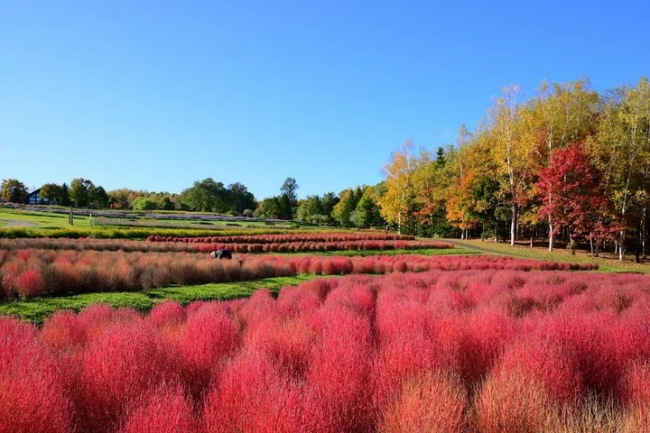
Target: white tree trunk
<point>513,226</point>
<point>644,232</point>
<point>621,245</point>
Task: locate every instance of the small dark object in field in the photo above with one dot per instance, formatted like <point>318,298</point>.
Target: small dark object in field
<point>221,254</point>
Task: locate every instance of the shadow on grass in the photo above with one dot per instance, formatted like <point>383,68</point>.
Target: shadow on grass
<point>36,310</point>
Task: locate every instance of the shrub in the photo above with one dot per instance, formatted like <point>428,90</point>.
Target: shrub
<point>634,389</point>
<point>251,397</point>
<point>434,401</point>
<point>63,331</point>
<point>340,372</point>
<point>31,384</point>
<point>207,339</point>
<point>549,366</point>
<point>168,313</point>
<point>166,409</point>
<point>140,362</point>
<point>512,403</point>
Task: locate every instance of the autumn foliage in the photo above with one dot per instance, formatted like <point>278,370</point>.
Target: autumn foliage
<point>572,194</point>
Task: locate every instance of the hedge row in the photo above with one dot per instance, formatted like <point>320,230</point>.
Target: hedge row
<point>128,245</point>
<point>123,232</point>
<point>284,238</point>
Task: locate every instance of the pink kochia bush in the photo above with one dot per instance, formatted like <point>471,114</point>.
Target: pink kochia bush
<point>441,351</point>
<point>28,273</point>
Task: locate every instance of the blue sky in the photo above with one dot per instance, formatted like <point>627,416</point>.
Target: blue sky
<point>154,95</point>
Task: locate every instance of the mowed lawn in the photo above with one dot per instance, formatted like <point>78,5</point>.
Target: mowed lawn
<point>41,219</point>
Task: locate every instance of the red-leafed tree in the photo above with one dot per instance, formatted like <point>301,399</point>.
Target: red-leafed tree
<point>572,195</point>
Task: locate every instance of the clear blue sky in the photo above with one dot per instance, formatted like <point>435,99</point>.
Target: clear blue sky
<point>156,94</point>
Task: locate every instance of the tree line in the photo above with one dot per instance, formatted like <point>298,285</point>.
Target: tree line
<point>567,162</point>
<point>353,207</point>
<point>80,193</point>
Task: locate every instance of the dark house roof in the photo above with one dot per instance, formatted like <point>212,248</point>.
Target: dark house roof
<point>34,197</point>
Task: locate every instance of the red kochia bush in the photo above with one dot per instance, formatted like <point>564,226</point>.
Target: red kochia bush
<point>32,394</point>
<point>168,313</point>
<point>633,389</point>
<point>340,372</point>
<point>206,340</point>
<point>64,331</point>
<point>252,397</point>
<point>548,365</point>
<point>434,401</point>
<point>29,283</point>
<point>405,341</point>
<point>166,409</point>
<point>470,345</point>
<point>140,361</point>
<point>510,402</point>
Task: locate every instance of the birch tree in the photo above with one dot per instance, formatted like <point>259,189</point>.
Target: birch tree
<point>511,153</point>
<point>622,148</point>
<point>398,200</point>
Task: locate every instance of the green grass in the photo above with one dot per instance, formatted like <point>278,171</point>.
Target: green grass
<point>134,226</point>
<point>43,219</point>
<point>188,224</point>
<point>36,310</point>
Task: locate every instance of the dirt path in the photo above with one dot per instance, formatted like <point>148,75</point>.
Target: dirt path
<point>17,223</point>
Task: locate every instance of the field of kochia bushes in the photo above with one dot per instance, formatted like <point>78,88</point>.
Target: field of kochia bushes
<point>191,246</point>
<point>37,272</point>
<point>441,351</point>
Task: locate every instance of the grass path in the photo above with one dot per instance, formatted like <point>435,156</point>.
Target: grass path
<point>17,223</point>
<point>607,262</point>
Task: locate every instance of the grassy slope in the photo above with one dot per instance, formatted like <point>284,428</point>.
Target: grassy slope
<point>53,220</point>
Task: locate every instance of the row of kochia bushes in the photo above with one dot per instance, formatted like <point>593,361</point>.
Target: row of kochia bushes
<point>127,232</point>
<point>127,245</point>
<point>469,351</point>
<point>29,273</point>
<point>285,238</point>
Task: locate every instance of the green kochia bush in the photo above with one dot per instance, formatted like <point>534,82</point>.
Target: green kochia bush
<point>123,232</point>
